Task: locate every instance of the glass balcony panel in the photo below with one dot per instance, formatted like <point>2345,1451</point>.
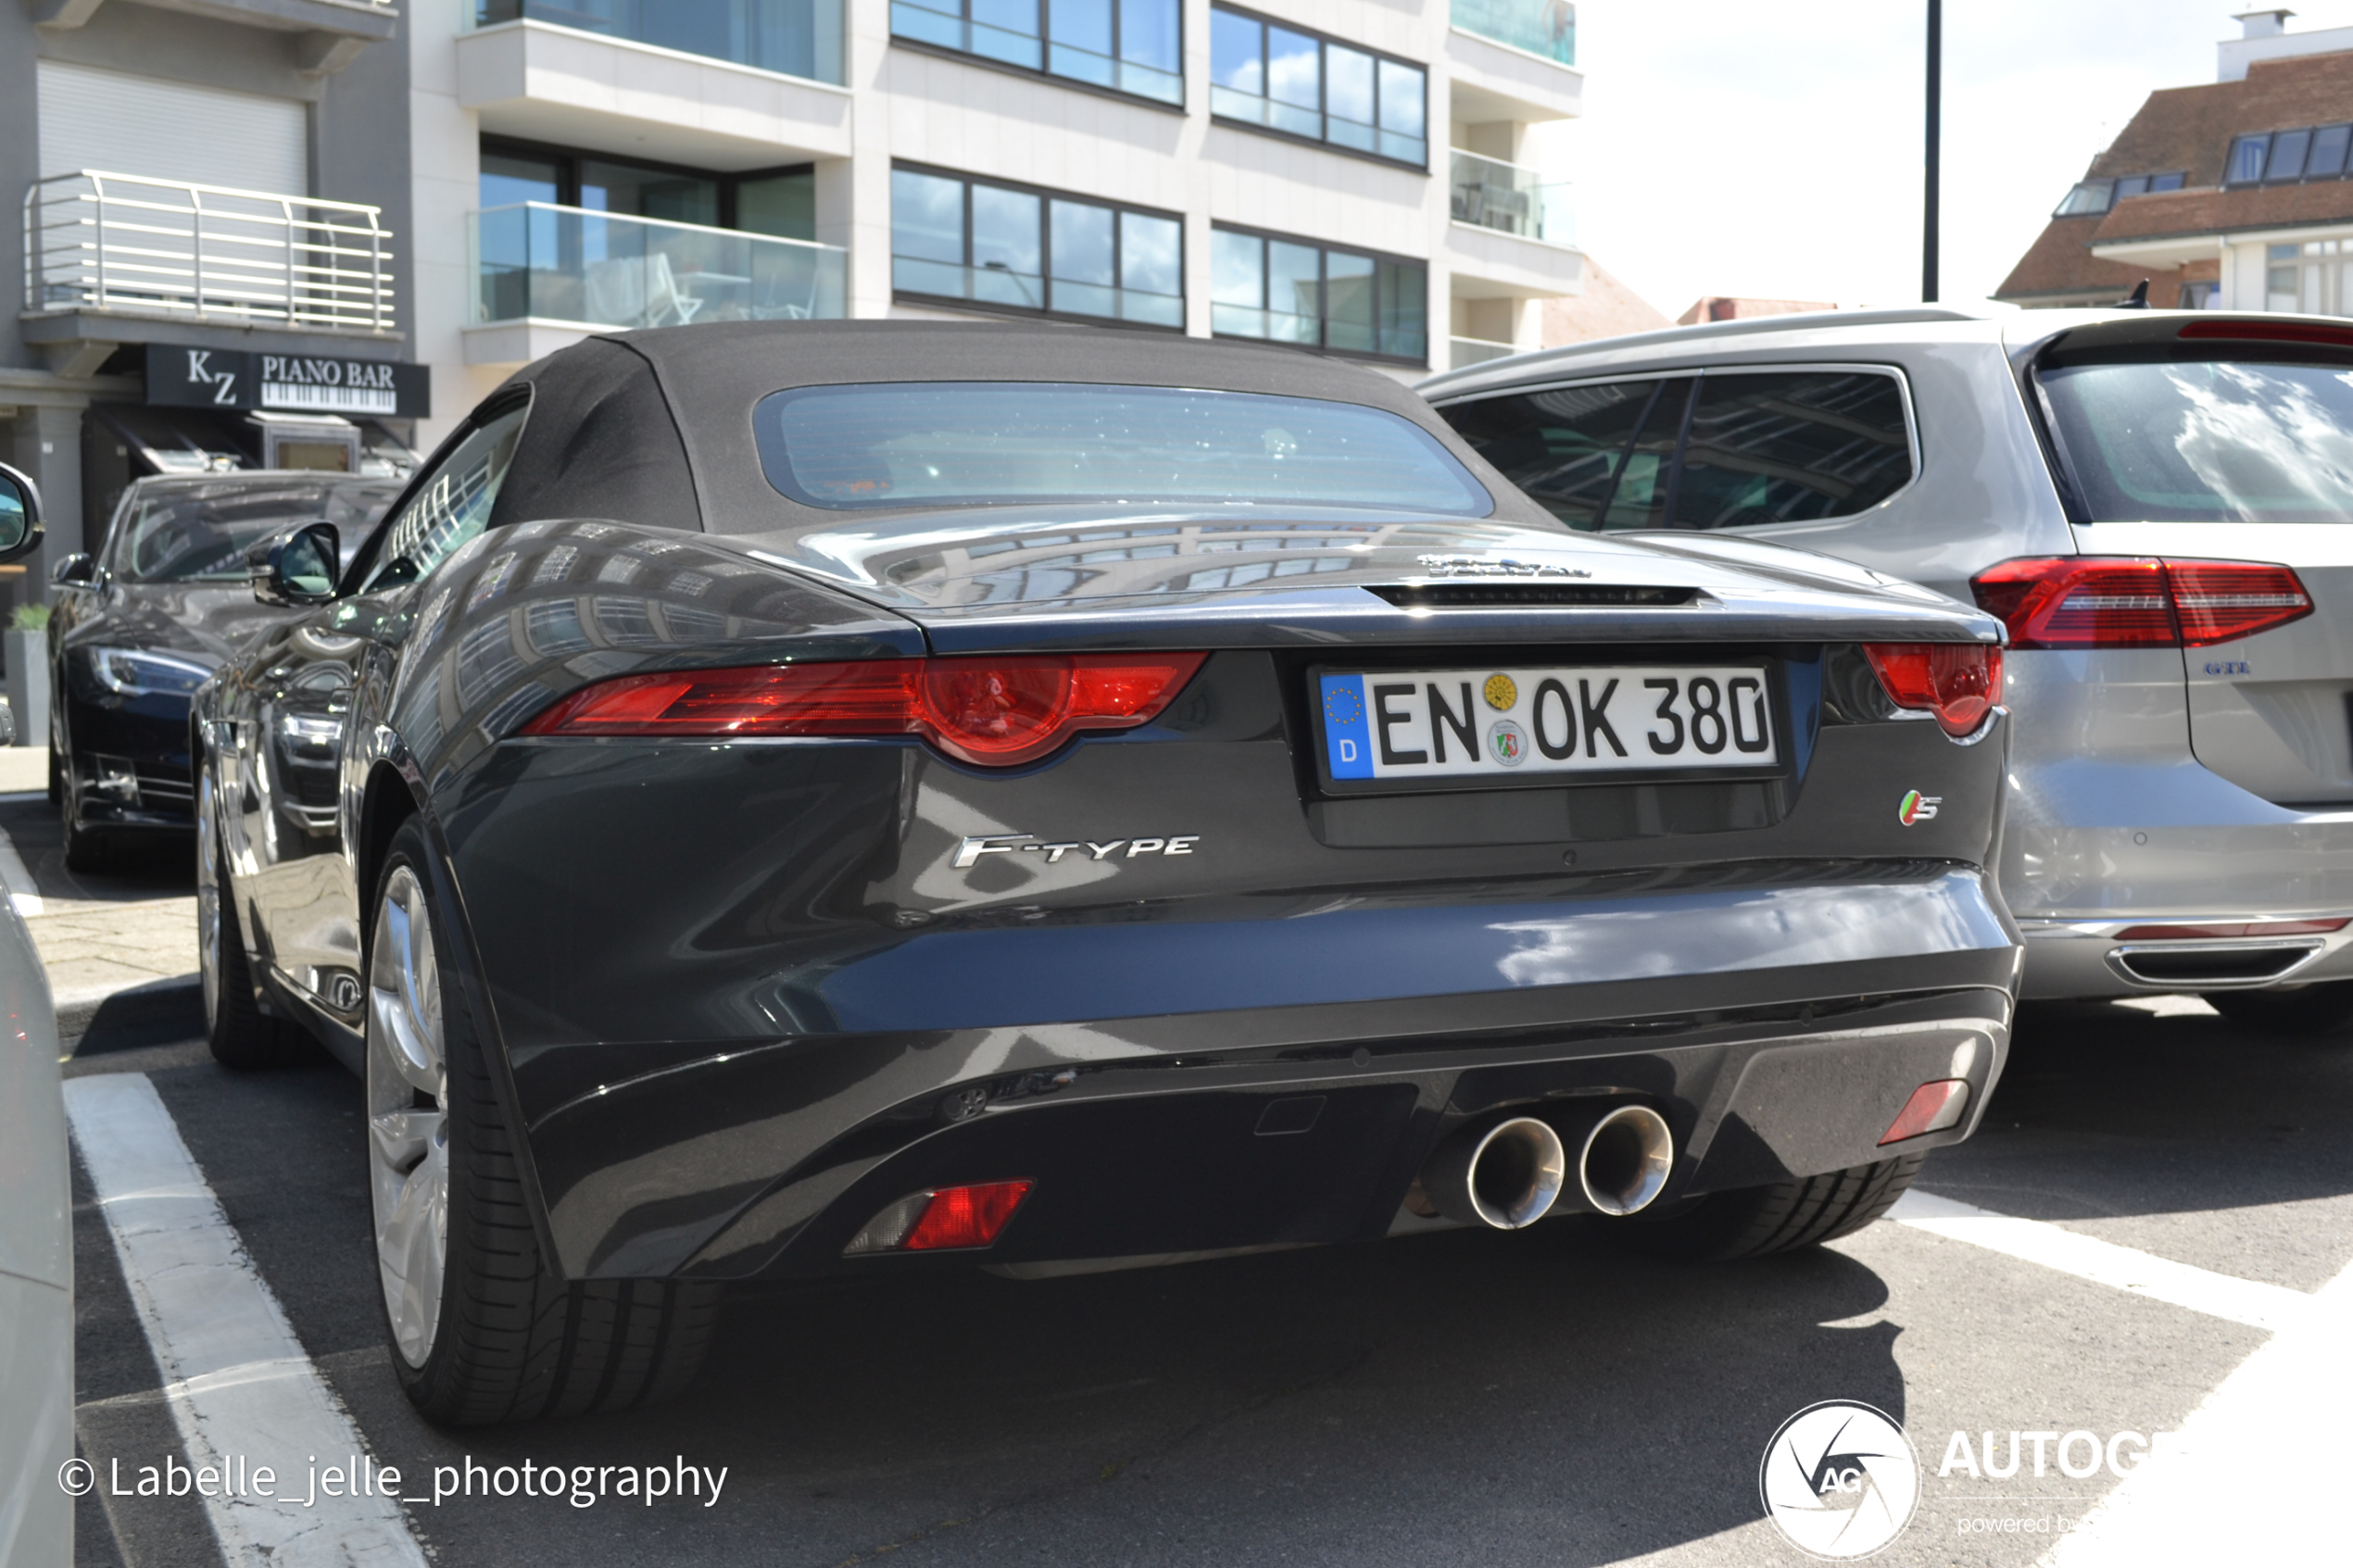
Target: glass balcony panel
<point>1081,65</point>
<point>791,37</point>
<point>1159,309</point>
<point>1405,149</point>
<point>605,270</point>
<point>1355,134</point>
<point>1541,27</point>
<point>1232,104</point>
<point>1511,198</point>
<point>1150,81</point>
<point>926,24</point>
<point>1298,121</point>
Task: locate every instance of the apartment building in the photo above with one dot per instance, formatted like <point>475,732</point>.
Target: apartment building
<point>314,231</point>
<point>2235,194</point>
<point>1346,176</point>
<point>210,197</point>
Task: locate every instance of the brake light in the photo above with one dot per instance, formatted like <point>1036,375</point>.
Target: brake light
<point>2268,332</point>
<point>946,1217</point>
<point>2137,601</point>
<point>994,712</point>
<point>1958,682</point>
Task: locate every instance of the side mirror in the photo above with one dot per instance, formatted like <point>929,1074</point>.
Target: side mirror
<point>19,515</point>
<point>295,566</point>
<point>77,571</point>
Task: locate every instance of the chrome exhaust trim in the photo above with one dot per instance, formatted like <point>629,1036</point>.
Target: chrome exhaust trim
<point>1624,1160</point>
<point>2212,966</point>
<point>1507,1175</point>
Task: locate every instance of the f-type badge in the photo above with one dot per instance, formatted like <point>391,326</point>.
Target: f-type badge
<point>969,852</point>
<point>1915,808</point>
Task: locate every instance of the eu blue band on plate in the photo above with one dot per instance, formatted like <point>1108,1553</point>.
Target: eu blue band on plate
<point>1348,745</point>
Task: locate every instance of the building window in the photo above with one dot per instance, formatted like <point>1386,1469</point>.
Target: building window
<point>782,202</point>
<point>1010,247</point>
<point>1279,78</point>
<point>1127,45</point>
<point>2092,197</point>
<point>1291,291</point>
<point>790,37</point>
<point>2281,157</point>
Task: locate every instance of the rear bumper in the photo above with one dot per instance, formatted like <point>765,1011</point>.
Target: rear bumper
<point>747,1159</point>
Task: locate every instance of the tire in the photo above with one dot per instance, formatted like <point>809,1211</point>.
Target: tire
<point>56,777</point>
<point>86,852</point>
<point>480,1328</point>
<point>242,1036</point>
<point>2308,1009</point>
<point>1782,1217</point>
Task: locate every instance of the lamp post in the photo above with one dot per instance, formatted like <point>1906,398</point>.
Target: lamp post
<point>1935,132</point>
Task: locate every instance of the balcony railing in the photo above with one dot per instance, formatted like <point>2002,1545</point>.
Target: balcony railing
<point>1516,200</point>
<point>95,241</point>
<point>1462,353</point>
<point>791,37</point>
<point>604,269</point>
<point>1541,27</point>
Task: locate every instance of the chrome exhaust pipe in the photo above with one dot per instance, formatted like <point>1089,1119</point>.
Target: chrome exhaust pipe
<point>1623,1159</point>
<point>1507,1175</point>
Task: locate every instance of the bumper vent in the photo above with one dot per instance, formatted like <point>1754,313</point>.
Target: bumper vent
<point>1476,596</point>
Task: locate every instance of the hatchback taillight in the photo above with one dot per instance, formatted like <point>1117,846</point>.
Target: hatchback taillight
<point>2137,601</point>
<point>994,711</point>
<point>1957,682</point>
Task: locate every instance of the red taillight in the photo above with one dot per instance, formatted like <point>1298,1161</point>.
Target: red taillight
<point>2270,331</point>
<point>2230,933</point>
<point>1958,682</point>
<point>1000,711</point>
<point>2220,601</point>
<point>1932,1107</point>
<point>946,1217</point>
<point>2137,601</point>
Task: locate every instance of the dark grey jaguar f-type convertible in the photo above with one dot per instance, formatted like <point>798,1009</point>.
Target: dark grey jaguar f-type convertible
<point>854,798</point>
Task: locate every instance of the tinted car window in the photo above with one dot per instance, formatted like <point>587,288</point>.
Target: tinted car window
<point>915,444</point>
<point>2215,441</point>
<point>1639,499</point>
<point>451,504</point>
<point>1563,446</point>
<point>197,531</point>
<point>1791,447</point>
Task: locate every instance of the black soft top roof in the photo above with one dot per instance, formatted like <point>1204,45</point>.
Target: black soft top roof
<point>655,427</point>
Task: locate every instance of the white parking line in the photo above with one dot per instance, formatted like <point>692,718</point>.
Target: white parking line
<point>2254,1473</point>
<point>241,1389</point>
<point>2104,1263</point>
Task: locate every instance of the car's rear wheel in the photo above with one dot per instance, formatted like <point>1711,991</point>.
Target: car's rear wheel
<point>482,1330</point>
<point>2308,1009</point>
<point>1782,1217</point>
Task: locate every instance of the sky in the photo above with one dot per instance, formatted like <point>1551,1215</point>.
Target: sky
<point>1730,147</point>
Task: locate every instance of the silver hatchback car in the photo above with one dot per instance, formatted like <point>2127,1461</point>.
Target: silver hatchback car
<point>2157,504</point>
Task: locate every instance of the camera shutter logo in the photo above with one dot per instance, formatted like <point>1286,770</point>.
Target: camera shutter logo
<point>1840,1480</point>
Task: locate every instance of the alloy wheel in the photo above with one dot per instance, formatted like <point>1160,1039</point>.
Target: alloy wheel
<point>407,1121</point>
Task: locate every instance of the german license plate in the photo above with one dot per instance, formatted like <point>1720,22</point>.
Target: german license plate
<point>1630,718</point>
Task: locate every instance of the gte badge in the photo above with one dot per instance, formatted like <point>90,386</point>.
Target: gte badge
<point>1918,808</point>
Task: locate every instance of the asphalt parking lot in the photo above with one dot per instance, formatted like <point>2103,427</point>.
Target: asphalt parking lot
<point>2181,1193</point>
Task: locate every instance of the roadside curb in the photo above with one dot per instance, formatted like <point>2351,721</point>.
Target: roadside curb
<point>156,1012</point>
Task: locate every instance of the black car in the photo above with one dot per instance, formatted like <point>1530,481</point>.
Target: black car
<point>145,620</point>
<point>823,798</point>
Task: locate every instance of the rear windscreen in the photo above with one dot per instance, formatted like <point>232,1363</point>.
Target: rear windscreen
<point>2206,441</point>
<point>924,443</point>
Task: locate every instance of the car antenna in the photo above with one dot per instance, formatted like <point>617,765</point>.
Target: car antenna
<point>2138,299</point>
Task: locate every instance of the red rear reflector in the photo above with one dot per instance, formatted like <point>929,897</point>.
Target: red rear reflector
<point>2137,601</point>
<point>2230,933</point>
<point>1958,682</point>
<point>2270,331</point>
<point>965,1216</point>
<point>1932,1109</point>
<point>996,711</point>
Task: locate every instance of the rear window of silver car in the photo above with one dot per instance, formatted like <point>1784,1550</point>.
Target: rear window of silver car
<point>2206,441</point>
<point>1729,449</point>
<point>927,444</point>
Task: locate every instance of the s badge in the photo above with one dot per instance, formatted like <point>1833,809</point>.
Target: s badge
<point>1918,808</point>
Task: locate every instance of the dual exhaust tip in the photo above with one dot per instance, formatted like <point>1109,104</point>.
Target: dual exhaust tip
<point>1512,1174</point>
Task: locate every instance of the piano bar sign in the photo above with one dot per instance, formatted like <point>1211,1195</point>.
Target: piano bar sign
<point>299,384</point>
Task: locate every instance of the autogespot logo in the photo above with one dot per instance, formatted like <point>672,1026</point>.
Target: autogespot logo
<point>1840,1479</point>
